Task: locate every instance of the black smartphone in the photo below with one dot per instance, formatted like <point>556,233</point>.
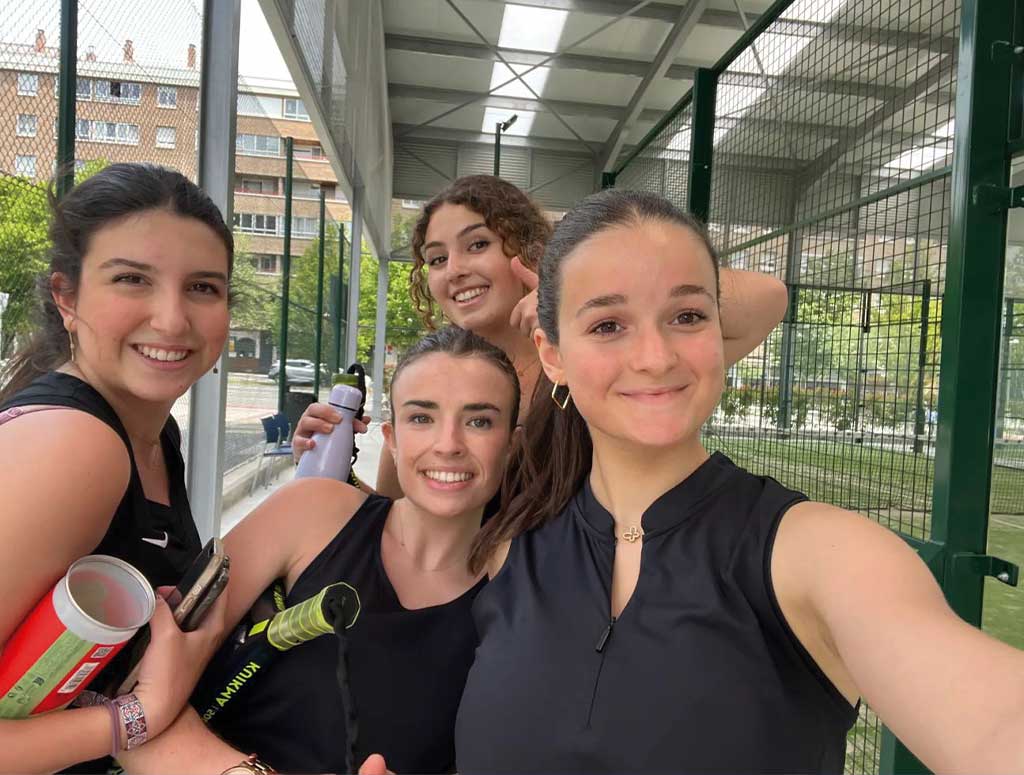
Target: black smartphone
<point>200,586</point>
<point>198,589</point>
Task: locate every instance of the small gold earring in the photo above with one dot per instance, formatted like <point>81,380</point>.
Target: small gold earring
<point>564,403</point>
<point>71,345</point>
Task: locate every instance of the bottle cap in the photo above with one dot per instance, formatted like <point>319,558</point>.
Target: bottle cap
<point>345,379</point>
<point>345,397</point>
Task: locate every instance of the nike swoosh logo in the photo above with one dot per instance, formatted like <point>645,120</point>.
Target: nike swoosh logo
<point>161,542</point>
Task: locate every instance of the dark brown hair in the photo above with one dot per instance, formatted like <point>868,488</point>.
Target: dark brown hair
<point>460,343</point>
<point>506,210</point>
<point>111,194</point>
<point>553,454</point>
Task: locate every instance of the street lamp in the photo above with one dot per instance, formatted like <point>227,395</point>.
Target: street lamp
<point>499,127</point>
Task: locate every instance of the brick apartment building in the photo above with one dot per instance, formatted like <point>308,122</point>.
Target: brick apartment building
<point>134,110</point>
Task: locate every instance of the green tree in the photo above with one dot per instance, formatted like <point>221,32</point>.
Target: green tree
<point>24,220</point>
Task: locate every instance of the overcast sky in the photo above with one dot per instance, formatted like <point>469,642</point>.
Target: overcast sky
<point>160,31</point>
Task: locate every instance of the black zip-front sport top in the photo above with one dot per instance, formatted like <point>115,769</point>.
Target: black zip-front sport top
<point>700,672</point>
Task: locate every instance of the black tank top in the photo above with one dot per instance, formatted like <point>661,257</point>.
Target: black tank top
<point>159,540</point>
<point>406,670</point>
<point>700,673</point>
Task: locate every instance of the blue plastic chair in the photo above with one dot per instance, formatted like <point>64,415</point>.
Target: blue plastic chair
<point>276,428</point>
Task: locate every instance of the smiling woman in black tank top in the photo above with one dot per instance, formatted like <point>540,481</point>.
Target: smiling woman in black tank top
<point>455,401</point>
<point>134,310</point>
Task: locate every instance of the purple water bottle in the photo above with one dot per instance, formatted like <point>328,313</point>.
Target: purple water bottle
<point>331,458</point>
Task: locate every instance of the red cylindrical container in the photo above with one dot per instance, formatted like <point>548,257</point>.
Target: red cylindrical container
<point>69,636</point>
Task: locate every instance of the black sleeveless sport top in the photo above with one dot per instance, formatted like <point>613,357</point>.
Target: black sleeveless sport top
<point>700,673</point>
<point>159,540</point>
<point>406,671</point>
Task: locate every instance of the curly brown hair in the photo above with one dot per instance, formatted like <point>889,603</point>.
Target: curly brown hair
<point>507,211</point>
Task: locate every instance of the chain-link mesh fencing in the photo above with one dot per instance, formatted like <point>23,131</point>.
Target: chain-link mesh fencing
<point>29,64</point>
<point>136,100</point>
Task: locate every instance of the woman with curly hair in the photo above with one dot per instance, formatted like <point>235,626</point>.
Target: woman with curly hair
<point>476,248</point>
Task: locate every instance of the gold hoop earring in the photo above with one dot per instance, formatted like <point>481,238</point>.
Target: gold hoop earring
<point>71,345</point>
<point>565,402</point>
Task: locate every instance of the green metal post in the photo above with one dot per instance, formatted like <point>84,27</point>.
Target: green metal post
<point>702,143</point>
<point>971,309</point>
<point>1004,367</point>
<point>67,93</point>
<point>339,323</point>
<point>608,179</point>
<point>922,364</point>
<point>286,271</point>
<point>318,332</point>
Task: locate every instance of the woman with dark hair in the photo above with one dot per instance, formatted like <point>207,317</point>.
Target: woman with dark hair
<point>475,251</point>
<point>455,403</point>
<point>675,612</point>
<point>134,310</point>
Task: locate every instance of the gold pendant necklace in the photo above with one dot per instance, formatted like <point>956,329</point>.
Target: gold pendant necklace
<point>633,534</point>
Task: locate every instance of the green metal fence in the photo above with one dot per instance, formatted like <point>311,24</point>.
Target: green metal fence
<point>821,150</point>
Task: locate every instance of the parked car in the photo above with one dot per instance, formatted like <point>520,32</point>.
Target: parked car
<point>300,372</point>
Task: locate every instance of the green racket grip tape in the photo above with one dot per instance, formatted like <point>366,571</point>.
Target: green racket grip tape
<point>314,617</point>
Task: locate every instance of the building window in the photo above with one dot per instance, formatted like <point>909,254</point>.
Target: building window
<point>303,226</point>
<point>26,125</point>
<point>411,204</point>
<point>165,136</point>
<point>258,145</point>
<point>112,132</point>
<point>28,86</point>
<point>83,89</point>
<point>82,129</point>
<point>259,105</point>
<point>124,92</point>
<point>308,152</point>
<point>265,264</point>
<point>167,96</point>
<point>251,223</point>
<point>25,166</point>
<point>256,185</point>
<point>295,109</point>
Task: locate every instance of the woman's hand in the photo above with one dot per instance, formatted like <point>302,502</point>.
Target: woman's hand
<point>375,765</point>
<point>174,660</point>
<point>319,418</point>
<point>524,316</point>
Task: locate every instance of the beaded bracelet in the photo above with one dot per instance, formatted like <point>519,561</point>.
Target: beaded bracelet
<point>133,718</point>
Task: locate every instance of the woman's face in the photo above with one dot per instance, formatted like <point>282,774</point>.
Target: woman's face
<point>451,433</point>
<point>150,315</point>
<point>468,273</point>
<point>640,344</point>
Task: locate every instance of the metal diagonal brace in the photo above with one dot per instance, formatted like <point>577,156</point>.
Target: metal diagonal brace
<point>986,565</point>
<point>998,198</point>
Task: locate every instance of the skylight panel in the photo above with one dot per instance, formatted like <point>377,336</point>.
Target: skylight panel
<point>532,29</point>
<point>920,159</point>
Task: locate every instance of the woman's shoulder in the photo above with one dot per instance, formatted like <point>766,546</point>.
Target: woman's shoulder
<point>321,506</point>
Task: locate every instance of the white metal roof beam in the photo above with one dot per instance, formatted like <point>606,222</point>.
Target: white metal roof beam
<point>685,22</point>
<point>457,96</point>
<point>716,17</point>
<point>635,67</point>
<point>449,136</point>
